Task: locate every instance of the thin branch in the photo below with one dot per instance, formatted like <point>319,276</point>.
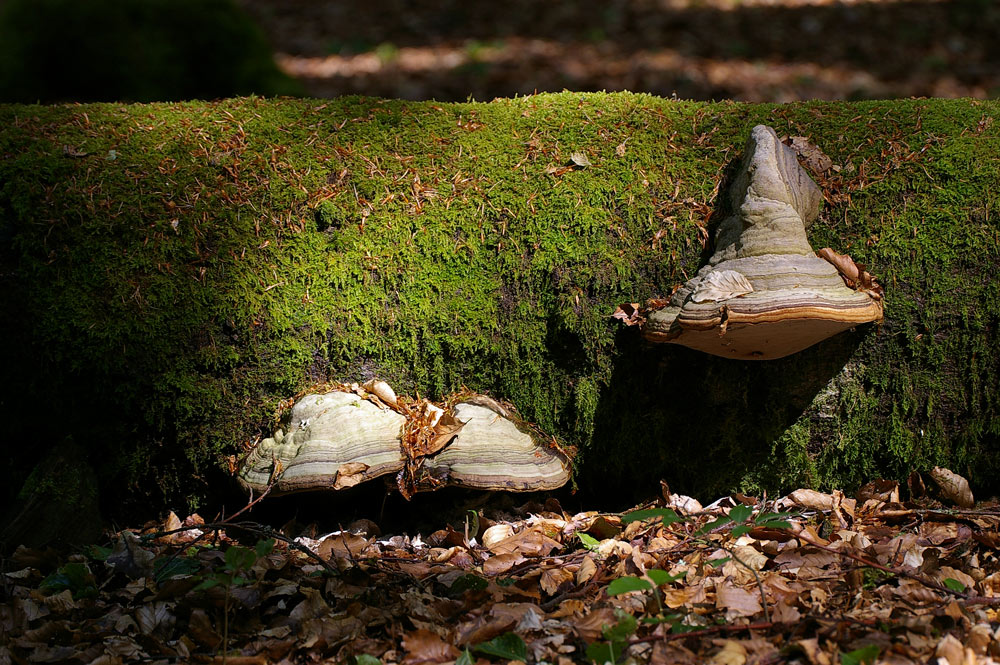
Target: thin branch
<point>711,630</point>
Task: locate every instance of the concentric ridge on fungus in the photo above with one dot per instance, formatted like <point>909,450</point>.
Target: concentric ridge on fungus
<point>339,439</point>
<point>797,298</point>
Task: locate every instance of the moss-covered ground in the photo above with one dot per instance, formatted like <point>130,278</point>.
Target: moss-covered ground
<point>172,271</point>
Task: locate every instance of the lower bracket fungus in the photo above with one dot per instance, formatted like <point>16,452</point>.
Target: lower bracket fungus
<point>337,439</point>
<point>764,293</point>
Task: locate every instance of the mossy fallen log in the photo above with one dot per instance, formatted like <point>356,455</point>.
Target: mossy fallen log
<point>172,272</point>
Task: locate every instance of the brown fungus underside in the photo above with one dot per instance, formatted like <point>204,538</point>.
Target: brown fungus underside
<point>337,439</point>
<point>764,293</point>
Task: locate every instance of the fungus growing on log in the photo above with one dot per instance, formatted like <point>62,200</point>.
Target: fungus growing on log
<point>341,438</point>
<point>764,293</point>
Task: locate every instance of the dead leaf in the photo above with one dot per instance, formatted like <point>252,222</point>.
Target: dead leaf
<point>852,273</point>
<point>344,545</point>
<point>721,285</point>
<point>954,488</point>
<point>811,499</point>
<point>591,626</point>
<point>155,619</point>
<point>580,159</point>
<point>172,523</point>
<point>527,543</point>
<point>629,314</point>
<point>423,646</point>
<point>732,653</point>
<point>879,490</point>
<point>350,474</point>
<point>620,149</point>
<point>950,650</point>
<point>61,603</point>
<point>811,156</point>
<point>737,602</point>
<point>501,563</point>
<point>586,570</point>
<point>484,628</point>
<point>553,578</point>
<point>813,651</point>
<point>201,629</point>
<point>446,429</point>
<point>496,534</point>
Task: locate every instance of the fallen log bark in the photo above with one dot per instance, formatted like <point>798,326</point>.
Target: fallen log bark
<point>172,272</point>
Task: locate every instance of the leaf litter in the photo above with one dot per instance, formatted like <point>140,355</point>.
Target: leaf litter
<point>812,577</point>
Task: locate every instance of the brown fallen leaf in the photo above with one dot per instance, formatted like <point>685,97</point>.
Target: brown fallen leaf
<point>350,474</point>
<point>553,578</point>
<point>527,543</point>
<point>732,653</point>
<point>811,156</point>
<point>591,626</point>
<point>484,628</point>
<point>853,274</point>
<point>879,490</point>
<point>812,499</point>
<point>446,429</point>
<point>344,545</point>
<point>423,646</point>
<point>954,488</point>
<point>501,563</point>
<point>737,601</point>
<point>172,523</point>
<point>586,570</point>
<point>950,650</point>
<point>629,314</point>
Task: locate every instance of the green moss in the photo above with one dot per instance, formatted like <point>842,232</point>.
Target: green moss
<point>201,262</point>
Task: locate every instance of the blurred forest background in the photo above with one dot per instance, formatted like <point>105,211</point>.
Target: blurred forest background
<point>451,50</point>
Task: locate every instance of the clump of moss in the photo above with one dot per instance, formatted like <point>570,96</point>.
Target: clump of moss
<point>175,270</point>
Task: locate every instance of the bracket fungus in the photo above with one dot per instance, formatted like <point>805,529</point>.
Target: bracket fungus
<point>764,293</point>
<point>355,433</point>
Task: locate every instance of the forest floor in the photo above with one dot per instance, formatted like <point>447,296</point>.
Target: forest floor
<point>748,50</point>
<point>809,578</point>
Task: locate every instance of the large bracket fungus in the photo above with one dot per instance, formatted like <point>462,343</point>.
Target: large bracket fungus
<point>764,293</point>
<point>340,438</point>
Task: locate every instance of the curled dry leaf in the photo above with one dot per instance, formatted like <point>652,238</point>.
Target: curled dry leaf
<point>496,534</point>
<point>629,314</point>
<point>446,428</point>
<point>721,285</point>
<point>812,499</point>
<point>172,523</point>
<point>527,543</point>
<point>350,474</point>
<point>853,274</point>
<point>382,390</point>
<point>812,157</point>
<point>586,570</point>
<point>954,488</point>
<point>580,159</point>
